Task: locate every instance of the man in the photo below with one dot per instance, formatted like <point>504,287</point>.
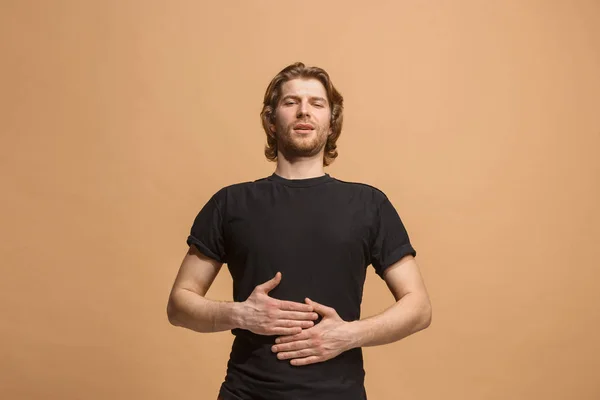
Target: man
<point>297,245</point>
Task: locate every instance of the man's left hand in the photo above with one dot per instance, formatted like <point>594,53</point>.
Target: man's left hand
<point>322,342</point>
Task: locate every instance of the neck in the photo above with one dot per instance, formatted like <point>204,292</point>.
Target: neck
<point>300,168</point>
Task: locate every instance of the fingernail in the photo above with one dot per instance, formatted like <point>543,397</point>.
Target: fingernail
<point>274,348</point>
<point>277,340</point>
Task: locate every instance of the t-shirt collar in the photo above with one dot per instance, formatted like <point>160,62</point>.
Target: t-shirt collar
<point>301,182</point>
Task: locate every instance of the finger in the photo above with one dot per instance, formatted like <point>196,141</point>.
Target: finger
<point>321,309</point>
<point>306,360</point>
<point>286,339</point>
<point>291,323</point>
<point>285,332</point>
<point>270,284</point>
<point>299,315</point>
<point>293,346</point>
<point>296,354</point>
<point>285,305</point>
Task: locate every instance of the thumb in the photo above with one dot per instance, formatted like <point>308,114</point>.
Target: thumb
<point>321,309</point>
<point>270,284</point>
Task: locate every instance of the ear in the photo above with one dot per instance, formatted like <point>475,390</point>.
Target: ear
<point>271,119</point>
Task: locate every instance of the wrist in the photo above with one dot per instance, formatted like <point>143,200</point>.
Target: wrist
<point>237,314</point>
<point>357,333</point>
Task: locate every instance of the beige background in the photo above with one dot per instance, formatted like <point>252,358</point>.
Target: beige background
<point>479,119</point>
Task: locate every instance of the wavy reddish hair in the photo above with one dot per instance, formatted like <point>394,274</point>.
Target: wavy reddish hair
<point>273,94</point>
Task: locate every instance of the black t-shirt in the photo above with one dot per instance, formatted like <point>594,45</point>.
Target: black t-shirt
<point>322,234</point>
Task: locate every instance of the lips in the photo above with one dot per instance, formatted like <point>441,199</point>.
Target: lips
<point>304,127</point>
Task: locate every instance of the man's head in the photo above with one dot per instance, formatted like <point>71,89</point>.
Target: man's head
<point>302,114</point>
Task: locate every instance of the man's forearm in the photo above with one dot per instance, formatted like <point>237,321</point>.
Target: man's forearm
<point>409,315</point>
<point>190,310</point>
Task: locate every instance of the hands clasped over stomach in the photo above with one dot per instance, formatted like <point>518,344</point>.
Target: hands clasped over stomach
<point>299,340</point>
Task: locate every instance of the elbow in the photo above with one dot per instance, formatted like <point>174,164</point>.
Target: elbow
<point>172,311</point>
<point>422,315</point>
<point>425,315</point>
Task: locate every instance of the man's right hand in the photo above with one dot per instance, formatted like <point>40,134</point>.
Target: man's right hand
<point>264,315</point>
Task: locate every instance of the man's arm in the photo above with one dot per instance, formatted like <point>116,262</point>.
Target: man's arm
<point>410,314</point>
<point>261,314</point>
<point>187,306</point>
<point>332,336</point>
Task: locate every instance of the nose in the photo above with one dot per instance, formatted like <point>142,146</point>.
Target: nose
<point>302,109</point>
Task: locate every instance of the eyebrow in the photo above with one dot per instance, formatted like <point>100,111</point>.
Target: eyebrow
<point>294,97</point>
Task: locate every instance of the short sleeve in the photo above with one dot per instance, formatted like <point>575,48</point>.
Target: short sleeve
<point>390,242</point>
<point>207,231</point>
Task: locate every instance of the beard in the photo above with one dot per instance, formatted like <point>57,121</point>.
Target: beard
<point>297,145</point>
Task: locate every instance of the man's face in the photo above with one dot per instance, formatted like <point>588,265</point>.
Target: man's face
<point>302,118</point>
